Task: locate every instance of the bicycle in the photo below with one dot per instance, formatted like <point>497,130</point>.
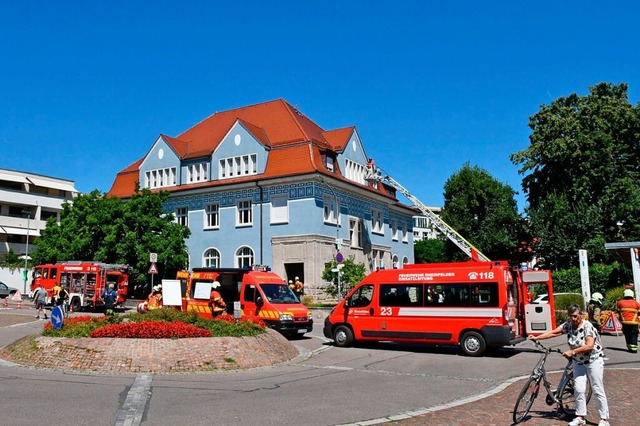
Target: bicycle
<point>563,396</point>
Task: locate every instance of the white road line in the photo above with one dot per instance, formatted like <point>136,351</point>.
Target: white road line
<point>132,410</point>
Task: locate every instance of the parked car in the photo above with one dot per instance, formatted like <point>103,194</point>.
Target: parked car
<point>6,291</point>
<point>544,298</point>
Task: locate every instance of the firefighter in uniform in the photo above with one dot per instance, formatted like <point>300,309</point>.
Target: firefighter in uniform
<point>154,301</point>
<point>628,309</point>
<point>298,287</point>
<point>218,307</point>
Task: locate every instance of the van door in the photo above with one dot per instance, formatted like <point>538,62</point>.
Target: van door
<point>361,314</point>
<point>397,317</point>
<point>249,295</point>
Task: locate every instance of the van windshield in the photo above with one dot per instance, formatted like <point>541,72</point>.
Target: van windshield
<point>279,293</point>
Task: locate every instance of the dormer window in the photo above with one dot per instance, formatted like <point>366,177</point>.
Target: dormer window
<point>197,172</point>
<point>329,163</point>
<point>355,172</point>
<point>239,166</point>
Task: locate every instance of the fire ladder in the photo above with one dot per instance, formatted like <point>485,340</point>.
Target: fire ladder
<point>374,174</point>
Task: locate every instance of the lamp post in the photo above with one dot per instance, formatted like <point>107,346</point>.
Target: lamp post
<point>26,251</point>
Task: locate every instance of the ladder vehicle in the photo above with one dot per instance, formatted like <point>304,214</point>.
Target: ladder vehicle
<point>476,304</point>
<point>262,295</point>
<point>84,280</point>
<point>375,174</point>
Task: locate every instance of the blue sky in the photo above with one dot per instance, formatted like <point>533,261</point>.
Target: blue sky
<point>86,87</point>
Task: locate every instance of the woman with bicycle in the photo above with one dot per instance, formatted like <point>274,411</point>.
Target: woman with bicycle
<point>585,351</point>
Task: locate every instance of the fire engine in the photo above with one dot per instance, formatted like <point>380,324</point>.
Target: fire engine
<point>262,294</point>
<point>84,280</point>
<point>476,304</point>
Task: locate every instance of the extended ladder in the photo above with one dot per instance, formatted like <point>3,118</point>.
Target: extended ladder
<point>374,173</point>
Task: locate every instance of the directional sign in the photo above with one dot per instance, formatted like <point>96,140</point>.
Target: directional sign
<point>153,269</point>
<point>57,318</point>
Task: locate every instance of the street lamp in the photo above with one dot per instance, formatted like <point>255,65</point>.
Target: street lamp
<point>26,251</point>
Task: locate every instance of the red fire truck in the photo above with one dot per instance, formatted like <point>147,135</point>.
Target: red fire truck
<point>262,294</point>
<point>472,304</point>
<point>85,281</point>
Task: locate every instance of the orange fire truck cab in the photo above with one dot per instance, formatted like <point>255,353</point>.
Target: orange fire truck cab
<point>473,304</point>
<point>262,294</point>
<point>85,281</point>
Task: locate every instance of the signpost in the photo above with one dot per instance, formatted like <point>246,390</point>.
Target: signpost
<point>153,258</point>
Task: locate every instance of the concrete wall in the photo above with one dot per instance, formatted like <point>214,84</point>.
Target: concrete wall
<point>13,278</point>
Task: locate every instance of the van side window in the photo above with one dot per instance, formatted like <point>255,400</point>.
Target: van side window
<point>485,295</point>
<point>362,296</point>
<point>401,294</point>
<point>249,293</point>
<point>54,273</point>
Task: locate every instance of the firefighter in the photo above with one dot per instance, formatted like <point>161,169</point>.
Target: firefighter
<point>594,310</point>
<point>218,307</point>
<point>298,287</point>
<point>628,309</point>
<point>154,301</point>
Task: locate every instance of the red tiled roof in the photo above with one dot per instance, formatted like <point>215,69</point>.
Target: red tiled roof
<point>295,144</point>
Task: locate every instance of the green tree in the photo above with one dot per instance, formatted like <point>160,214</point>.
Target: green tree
<point>106,229</point>
<point>429,251</point>
<point>484,211</point>
<point>351,274</point>
<point>583,160</point>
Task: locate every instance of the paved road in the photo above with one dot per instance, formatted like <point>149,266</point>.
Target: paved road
<point>324,386</point>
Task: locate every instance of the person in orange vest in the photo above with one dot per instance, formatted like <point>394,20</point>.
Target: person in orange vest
<point>628,309</point>
<point>298,287</point>
<point>218,307</point>
<point>154,301</point>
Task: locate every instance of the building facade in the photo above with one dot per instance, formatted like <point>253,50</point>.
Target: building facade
<point>423,227</point>
<point>264,184</point>
<point>27,201</point>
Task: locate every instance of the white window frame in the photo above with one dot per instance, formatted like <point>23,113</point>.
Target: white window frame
<point>244,213</point>
<point>330,211</point>
<point>212,216</point>
<point>197,172</point>
<point>160,178</point>
<point>241,165</point>
<point>377,221</point>
<point>405,233</point>
<point>356,232</point>
<point>182,215</point>
<point>394,229</point>
<point>244,257</point>
<point>279,210</point>
<point>211,258</point>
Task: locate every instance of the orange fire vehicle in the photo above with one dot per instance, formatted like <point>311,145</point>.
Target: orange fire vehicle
<point>85,281</point>
<point>261,293</point>
<point>475,304</point>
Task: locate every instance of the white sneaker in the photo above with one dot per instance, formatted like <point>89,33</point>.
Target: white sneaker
<point>578,421</point>
<point>604,422</point>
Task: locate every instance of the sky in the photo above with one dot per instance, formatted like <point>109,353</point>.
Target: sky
<point>86,87</point>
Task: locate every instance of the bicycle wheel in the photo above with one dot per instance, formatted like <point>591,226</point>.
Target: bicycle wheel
<point>567,398</point>
<point>525,399</point>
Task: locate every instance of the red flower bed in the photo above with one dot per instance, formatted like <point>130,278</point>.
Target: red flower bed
<point>150,330</point>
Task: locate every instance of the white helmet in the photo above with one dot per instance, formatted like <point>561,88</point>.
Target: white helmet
<point>627,293</point>
<point>156,288</point>
<point>597,297</point>
<point>215,284</point>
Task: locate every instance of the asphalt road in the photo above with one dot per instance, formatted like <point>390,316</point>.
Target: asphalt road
<point>324,386</point>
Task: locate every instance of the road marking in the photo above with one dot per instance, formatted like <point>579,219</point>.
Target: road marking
<point>132,410</point>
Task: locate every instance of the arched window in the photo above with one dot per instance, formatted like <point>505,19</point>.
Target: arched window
<point>244,257</point>
<point>211,258</point>
<point>394,261</point>
<point>405,260</point>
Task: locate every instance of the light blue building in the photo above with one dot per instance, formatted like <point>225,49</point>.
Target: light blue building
<point>264,184</point>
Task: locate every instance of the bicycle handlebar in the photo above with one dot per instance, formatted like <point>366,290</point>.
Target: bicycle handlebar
<point>543,348</point>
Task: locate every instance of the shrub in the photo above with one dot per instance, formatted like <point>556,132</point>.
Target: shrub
<point>611,298</point>
<point>80,326</point>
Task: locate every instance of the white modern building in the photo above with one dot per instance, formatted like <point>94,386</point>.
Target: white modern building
<point>423,227</point>
<point>27,201</point>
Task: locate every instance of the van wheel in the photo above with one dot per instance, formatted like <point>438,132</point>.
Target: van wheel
<point>343,336</point>
<point>472,343</point>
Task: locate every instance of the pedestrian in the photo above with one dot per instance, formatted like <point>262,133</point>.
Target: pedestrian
<point>40,299</point>
<point>585,352</point>
<point>628,309</point>
<point>594,309</point>
<point>218,307</point>
<point>62,300</point>
<point>109,296</point>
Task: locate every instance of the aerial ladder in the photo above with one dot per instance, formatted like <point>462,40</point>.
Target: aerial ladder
<point>375,174</point>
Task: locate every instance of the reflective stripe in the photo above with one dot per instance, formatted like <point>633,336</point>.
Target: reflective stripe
<point>450,312</point>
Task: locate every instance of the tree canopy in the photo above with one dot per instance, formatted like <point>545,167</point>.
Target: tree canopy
<point>482,210</point>
<point>581,172</point>
<point>106,229</point>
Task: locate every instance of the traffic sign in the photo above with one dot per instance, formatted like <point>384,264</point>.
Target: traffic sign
<point>153,269</point>
<point>339,257</point>
<point>57,317</point>
<point>153,257</point>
